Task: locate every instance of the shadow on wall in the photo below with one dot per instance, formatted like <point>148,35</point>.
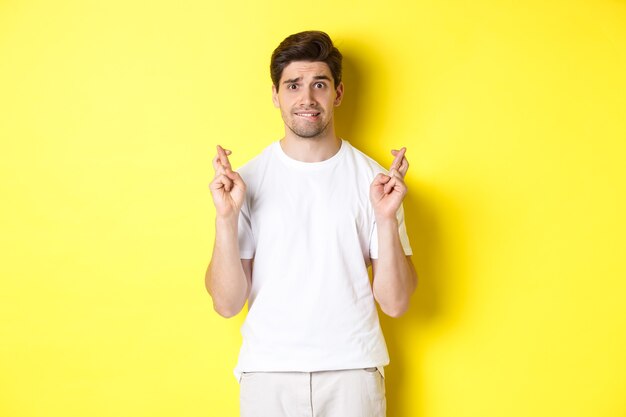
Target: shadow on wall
<point>352,115</point>
<point>403,334</point>
<point>423,225</point>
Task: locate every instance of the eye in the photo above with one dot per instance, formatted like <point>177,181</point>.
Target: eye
<point>320,85</point>
<point>292,86</point>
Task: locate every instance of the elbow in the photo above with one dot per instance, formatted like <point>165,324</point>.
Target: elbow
<point>224,306</point>
<point>226,311</point>
<point>396,310</point>
<point>393,306</point>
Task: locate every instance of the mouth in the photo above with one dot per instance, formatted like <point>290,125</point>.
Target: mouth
<point>310,115</point>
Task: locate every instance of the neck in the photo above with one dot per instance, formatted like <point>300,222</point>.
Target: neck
<point>316,149</point>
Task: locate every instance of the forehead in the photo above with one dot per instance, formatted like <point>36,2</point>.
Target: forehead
<point>305,69</point>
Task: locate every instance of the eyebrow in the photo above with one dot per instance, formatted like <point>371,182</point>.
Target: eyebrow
<point>295,80</point>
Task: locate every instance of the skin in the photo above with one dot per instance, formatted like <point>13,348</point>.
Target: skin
<point>306,97</point>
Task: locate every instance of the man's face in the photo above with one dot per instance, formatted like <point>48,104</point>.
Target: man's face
<point>307,97</point>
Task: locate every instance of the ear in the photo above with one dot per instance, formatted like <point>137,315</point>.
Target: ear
<point>339,92</point>
<point>275,96</point>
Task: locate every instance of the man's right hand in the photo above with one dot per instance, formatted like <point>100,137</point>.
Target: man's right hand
<point>227,188</point>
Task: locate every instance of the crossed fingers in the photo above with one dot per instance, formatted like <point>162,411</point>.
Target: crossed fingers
<point>394,180</point>
<point>224,175</point>
<point>221,164</point>
<point>400,164</point>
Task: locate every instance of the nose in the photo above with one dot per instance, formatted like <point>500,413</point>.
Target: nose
<point>307,98</point>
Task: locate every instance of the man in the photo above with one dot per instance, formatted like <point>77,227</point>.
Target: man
<point>296,229</point>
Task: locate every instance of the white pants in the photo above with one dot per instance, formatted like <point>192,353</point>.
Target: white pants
<point>345,393</point>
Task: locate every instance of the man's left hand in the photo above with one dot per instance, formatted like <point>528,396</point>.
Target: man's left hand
<point>388,191</point>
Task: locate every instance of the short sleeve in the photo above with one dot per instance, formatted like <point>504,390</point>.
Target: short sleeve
<point>245,236</point>
<point>404,238</point>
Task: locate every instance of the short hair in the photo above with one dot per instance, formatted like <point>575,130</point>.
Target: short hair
<point>312,45</point>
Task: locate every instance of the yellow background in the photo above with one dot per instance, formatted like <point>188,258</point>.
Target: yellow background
<point>513,114</point>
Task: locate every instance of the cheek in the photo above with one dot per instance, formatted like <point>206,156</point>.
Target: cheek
<point>319,98</point>
<point>286,103</point>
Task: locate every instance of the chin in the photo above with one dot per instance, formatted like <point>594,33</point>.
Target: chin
<point>308,134</point>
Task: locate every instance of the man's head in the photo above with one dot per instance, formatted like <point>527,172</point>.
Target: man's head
<point>306,46</point>
<point>306,78</point>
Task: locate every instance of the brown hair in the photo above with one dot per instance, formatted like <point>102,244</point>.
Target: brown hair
<point>310,46</point>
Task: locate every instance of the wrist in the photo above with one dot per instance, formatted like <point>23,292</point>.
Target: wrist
<point>387,221</point>
<point>229,220</point>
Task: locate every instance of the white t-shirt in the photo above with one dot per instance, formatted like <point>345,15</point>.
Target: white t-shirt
<point>311,230</point>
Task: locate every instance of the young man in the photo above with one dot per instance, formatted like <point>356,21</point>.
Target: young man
<point>296,229</point>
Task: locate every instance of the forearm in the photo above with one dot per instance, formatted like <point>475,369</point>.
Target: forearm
<point>395,279</point>
<point>225,278</point>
